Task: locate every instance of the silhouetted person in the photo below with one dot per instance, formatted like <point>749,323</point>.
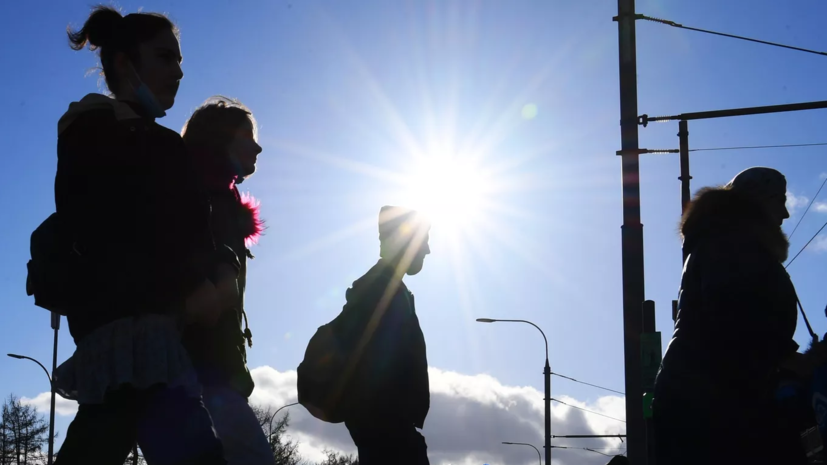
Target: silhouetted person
<point>713,401</point>
<point>128,199</point>
<point>221,137</point>
<point>389,397</point>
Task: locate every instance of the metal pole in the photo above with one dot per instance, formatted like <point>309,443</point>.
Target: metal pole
<point>686,194</point>
<point>56,328</point>
<point>737,111</point>
<point>632,232</point>
<point>683,134</point>
<point>648,312</point>
<point>524,444</point>
<point>547,374</point>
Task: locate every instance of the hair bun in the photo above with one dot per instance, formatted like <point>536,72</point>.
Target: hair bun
<point>100,30</point>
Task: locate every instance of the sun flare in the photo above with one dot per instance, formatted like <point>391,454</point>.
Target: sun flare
<point>448,191</point>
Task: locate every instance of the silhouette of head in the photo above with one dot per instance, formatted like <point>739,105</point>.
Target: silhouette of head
<point>134,49</point>
<point>403,238</point>
<point>767,186</point>
<point>225,128</point>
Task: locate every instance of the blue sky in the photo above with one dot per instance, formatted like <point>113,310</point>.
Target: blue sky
<point>350,96</point>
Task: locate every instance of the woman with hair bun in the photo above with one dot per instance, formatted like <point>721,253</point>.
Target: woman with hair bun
<point>130,202</point>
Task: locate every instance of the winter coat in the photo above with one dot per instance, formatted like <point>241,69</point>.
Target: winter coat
<point>219,353</point>
<point>390,386</point>
<point>737,307</point>
<point>126,193</point>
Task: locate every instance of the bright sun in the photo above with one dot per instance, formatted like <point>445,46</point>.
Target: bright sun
<point>450,192</point>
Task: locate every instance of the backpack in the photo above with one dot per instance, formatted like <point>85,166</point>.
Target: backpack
<point>321,385</point>
<point>328,383</point>
<point>54,267</point>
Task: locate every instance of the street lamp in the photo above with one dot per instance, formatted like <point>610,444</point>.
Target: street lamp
<point>283,407</point>
<point>272,419</point>
<point>529,445</point>
<point>546,373</point>
<point>51,410</point>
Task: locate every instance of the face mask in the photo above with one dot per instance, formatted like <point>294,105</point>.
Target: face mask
<point>147,100</point>
<point>145,96</point>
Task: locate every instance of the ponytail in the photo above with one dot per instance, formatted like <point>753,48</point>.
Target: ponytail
<point>99,31</point>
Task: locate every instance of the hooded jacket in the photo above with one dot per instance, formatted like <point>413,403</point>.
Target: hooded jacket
<point>391,386</point>
<point>737,305</point>
<point>127,195</point>
<point>219,353</point>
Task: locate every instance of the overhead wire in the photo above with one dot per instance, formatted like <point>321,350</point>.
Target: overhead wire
<point>753,147</point>
<point>731,36</point>
<point>587,384</point>
<point>805,245</point>
<point>587,411</point>
<point>590,449</point>
<point>750,147</point>
<point>807,210</point>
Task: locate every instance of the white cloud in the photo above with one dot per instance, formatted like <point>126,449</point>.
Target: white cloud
<point>820,207</point>
<point>43,402</point>
<point>820,243</point>
<point>470,417</point>
<point>794,202</point>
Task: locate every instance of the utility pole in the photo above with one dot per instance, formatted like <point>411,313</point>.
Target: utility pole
<point>56,328</point>
<point>632,234</point>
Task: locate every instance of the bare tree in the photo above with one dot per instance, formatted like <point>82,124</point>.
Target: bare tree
<point>23,433</point>
<point>335,458</point>
<point>285,451</point>
<point>135,457</point>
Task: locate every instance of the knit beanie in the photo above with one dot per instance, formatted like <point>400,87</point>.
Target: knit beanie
<point>760,183</point>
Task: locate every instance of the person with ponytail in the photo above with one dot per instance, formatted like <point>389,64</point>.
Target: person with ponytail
<point>221,136</point>
<point>132,205</point>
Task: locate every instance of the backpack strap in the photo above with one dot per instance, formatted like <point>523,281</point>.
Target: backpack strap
<point>806,321</point>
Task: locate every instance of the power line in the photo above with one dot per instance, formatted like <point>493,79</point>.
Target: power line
<point>590,449</point>
<point>731,36</point>
<point>597,452</point>
<point>597,448</point>
<point>749,147</point>
<point>807,210</point>
<point>805,245</point>
<point>741,147</point>
<point>589,411</point>
<point>588,384</point>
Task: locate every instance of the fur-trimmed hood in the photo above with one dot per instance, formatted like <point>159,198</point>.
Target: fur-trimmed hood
<point>718,212</point>
<point>251,222</point>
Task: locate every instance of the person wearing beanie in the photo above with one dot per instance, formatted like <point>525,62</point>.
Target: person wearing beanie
<point>389,396</point>
<point>714,394</point>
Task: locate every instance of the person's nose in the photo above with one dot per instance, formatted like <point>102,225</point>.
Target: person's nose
<point>179,72</point>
